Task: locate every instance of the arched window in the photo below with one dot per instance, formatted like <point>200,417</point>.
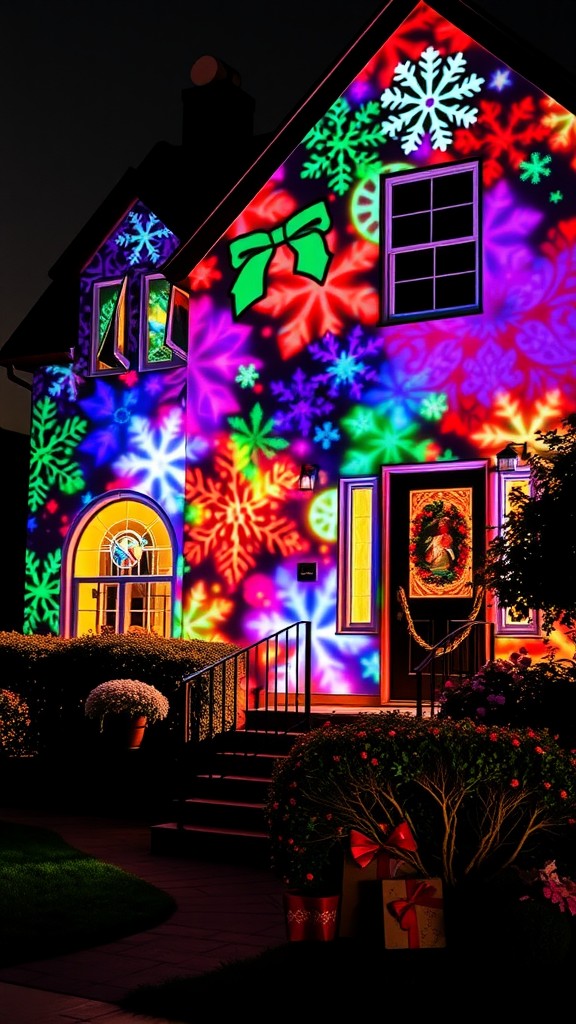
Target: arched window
<point>119,569</point>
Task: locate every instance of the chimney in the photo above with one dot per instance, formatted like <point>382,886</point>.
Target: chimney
<point>218,116</point>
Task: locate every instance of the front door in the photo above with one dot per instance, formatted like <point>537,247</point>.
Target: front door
<point>434,519</point>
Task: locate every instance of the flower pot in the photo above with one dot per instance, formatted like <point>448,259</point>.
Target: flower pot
<point>124,731</point>
<point>311,917</point>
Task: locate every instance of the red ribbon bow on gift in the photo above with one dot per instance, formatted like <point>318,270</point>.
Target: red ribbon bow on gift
<point>364,849</point>
<point>418,894</point>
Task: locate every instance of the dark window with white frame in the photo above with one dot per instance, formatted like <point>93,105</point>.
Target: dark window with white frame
<point>431,243</point>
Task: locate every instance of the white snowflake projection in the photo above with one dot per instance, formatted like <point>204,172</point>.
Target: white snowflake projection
<point>429,100</point>
<point>144,240</point>
<point>156,465</point>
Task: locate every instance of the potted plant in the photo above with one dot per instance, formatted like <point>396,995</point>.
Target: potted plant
<point>131,699</point>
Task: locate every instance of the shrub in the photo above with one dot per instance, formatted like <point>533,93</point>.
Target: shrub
<point>476,798</point>
<point>516,691</point>
<point>14,724</point>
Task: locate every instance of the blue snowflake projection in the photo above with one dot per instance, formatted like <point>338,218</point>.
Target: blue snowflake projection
<point>155,464</point>
<point>370,665</point>
<point>536,168</point>
<point>112,411</point>
<point>347,371</point>
<point>331,671</point>
<point>63,382</point>
<point>303,400</point>
<point>400,391</point>
<point>247,376</point>
<point>326,434</point>
<point>500,79</point>
<point>144,240</point>
<point>429,101</point>
<point>344,144</point>
<point>42,593</point>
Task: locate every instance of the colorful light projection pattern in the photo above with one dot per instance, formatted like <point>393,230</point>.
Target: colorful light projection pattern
<point>350,395</point>
<point>306,373</point>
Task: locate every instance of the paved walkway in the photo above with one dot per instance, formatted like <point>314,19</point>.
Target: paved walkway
<point>225,912</point>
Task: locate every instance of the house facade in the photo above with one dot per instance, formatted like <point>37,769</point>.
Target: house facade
<point>293,412</point>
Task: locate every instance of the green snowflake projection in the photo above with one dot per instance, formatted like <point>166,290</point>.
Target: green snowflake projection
<point>344,144</point>
<point>250,438</point>
<point>380,442</point>
<point>52,445</point>
<point>428,100</point>
<point>42,593</point>
<point>536,168</point>
<point>247,376</point>
<point>556,197</point>
<point>434,406</point>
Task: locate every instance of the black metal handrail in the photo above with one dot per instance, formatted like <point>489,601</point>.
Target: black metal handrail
<point>269,676</point>
<point>455,658</point>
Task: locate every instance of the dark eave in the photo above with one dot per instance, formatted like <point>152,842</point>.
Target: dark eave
<point>536,67</point>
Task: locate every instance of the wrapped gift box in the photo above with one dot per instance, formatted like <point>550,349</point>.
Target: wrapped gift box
<point>361,904</point>
<point>413,913</point>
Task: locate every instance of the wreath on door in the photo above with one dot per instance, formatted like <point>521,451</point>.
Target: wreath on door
<point>439,543</point>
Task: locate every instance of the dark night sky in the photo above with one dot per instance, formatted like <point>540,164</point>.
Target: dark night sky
<point>89,88</point>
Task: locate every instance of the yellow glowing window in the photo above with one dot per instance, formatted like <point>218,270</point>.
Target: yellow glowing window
<point>357,541</point>
<point>510,480</point>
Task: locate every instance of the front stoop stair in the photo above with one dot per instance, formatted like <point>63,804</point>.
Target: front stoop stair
<point>223,817</point>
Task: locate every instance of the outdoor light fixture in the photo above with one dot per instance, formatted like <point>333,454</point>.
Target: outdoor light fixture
<point>507,459</point>
<point>308,476</point>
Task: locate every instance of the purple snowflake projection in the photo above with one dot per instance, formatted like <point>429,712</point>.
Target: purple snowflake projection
<point>155,460</point>
<point>303,403</point>
<point>332,669</point>
<point>217,347</point>
<point>347,369</point>
<point>506,228</point>
<point>111,411</point>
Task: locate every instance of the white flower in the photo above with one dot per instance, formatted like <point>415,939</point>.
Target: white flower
<point>131,695</point>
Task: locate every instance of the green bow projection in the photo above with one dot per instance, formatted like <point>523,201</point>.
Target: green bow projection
<point>304,233</point>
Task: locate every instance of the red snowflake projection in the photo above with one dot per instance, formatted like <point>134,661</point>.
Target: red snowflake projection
<point>204,274</point>
<point>308,309</point>
<point>562,127</point>
<point>413,36</point>
<point>499,138</point>
<point>268,208</point>
<point>561,237</point>
<point>234,519</point>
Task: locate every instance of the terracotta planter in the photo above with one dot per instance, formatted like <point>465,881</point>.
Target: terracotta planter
<point>124,731</point>
<point>311,917</point>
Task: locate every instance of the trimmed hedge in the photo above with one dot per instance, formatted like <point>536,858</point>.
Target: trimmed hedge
<point>55,675</point>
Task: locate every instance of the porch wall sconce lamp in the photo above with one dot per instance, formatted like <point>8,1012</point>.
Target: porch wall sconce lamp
<point>507,459</point>
<point>308,476</point>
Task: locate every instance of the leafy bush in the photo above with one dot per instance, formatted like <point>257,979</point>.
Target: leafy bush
<point>516,691</point>
<point>476,798</point>
<point>14,724</point>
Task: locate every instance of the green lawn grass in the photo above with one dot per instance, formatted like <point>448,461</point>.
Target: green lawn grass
<point>55,899</point>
